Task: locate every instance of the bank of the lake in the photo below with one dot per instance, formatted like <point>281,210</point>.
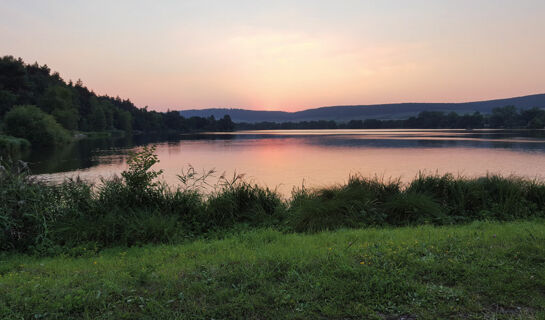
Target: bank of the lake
<point>138,208</point>
<point>12,146</point>
<point>284,159</point>
<point>133,247</point>
<point>476,271</point>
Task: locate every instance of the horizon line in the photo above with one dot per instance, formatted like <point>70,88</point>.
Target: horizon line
<point>359,105</point>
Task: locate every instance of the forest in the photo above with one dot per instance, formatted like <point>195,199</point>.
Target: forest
<point>36,104</point>
<point>39,108</point>
<point>508,117</point>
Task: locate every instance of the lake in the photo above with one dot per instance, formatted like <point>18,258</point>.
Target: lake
<point>283,159</point>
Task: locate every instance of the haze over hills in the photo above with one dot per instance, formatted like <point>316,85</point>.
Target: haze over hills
<point>361,112</point>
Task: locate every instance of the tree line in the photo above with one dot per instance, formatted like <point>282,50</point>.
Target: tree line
<point>507,117</point>
<point>39,105</point>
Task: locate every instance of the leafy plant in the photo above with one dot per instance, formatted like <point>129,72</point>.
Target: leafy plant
<point>139,178</point>
<point>31,123</point>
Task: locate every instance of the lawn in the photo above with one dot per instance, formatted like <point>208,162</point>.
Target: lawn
<point>479,271</point>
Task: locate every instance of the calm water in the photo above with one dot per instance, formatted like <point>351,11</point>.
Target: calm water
<point>288,158</point>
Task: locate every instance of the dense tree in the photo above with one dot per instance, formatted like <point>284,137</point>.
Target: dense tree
<point>58,101</point>
<point>7,100</point>
<point>173,119</point>
<point>96,119</point>
<point>532,118</point>
<point>225,124</point>
<point>36,126</point>
<point>13,75</point>
<point>123,120</point>
<point>77,108</point>
<point>507,117</point>
<point>372,124</point>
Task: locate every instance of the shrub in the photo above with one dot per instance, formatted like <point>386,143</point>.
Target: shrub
<point>135,208</point>
<point>459,198</point>
<point>413,208</point>
<point>490,197</point>
<point>118,227</point>
<point>506,199</point>
<point>355,204</point>
<point>139,179</point>
<point>29,209</point>
<point>31,123</point>
<point>10,146</point>
<point>237,201</point>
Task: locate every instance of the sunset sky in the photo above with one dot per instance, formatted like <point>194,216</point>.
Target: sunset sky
<point>284,55</point>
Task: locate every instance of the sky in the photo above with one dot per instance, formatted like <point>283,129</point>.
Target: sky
<point>284,55</point>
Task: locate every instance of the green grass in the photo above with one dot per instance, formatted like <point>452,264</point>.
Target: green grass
<point>11,146</point>
<point>436,199</point>
<point>476,271</point>
<point>135,209</point>
<point>100,134</point>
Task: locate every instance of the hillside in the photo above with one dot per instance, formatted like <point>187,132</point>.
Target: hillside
<point>361,112</point>
<point>41,109</point>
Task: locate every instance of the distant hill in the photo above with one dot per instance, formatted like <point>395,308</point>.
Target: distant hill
<point>361,112</point>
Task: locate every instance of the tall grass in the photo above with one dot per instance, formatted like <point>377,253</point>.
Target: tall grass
<point>237,201</point>
<point>137,208</point>
<point>492,196</point>
<point>356,204</point>
<point>11,146</point>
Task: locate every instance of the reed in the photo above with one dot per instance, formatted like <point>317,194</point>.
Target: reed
<point>12,146</point>
<point>137,208</point>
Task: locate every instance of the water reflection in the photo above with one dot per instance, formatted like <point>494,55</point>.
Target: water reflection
<point>87,153</point>
<point>285,159</point>
<point>518,139</point>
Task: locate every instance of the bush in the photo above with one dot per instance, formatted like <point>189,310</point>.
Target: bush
<point>413,208</point>
<point>136,209</point>
<point>31,123</point>
<point>10,146</point>
<point>238,201</point>
<point>139,178</point>
<point>355,204</point>
<point>490,197</point>
<point>29,209</point>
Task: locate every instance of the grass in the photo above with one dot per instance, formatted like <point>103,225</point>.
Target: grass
<point>440,200</point>
<point>100,134</point>
<point>11,146</point>
<point>136,209</point>
<point>132,247</point>
<point>482,270</point>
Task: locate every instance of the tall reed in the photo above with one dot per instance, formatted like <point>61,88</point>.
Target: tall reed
<point>137,208</point>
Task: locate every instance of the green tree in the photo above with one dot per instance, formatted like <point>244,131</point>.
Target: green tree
<point>108,108</point>
<point>225,124</point>
<point>123,120</point>
<point>31,123</point>
<point>12,74</point>
<point>58,101</point>
<point>505,117</point>
<point>7,100</point>
<point>533,118</point>
<point>97,117</point>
